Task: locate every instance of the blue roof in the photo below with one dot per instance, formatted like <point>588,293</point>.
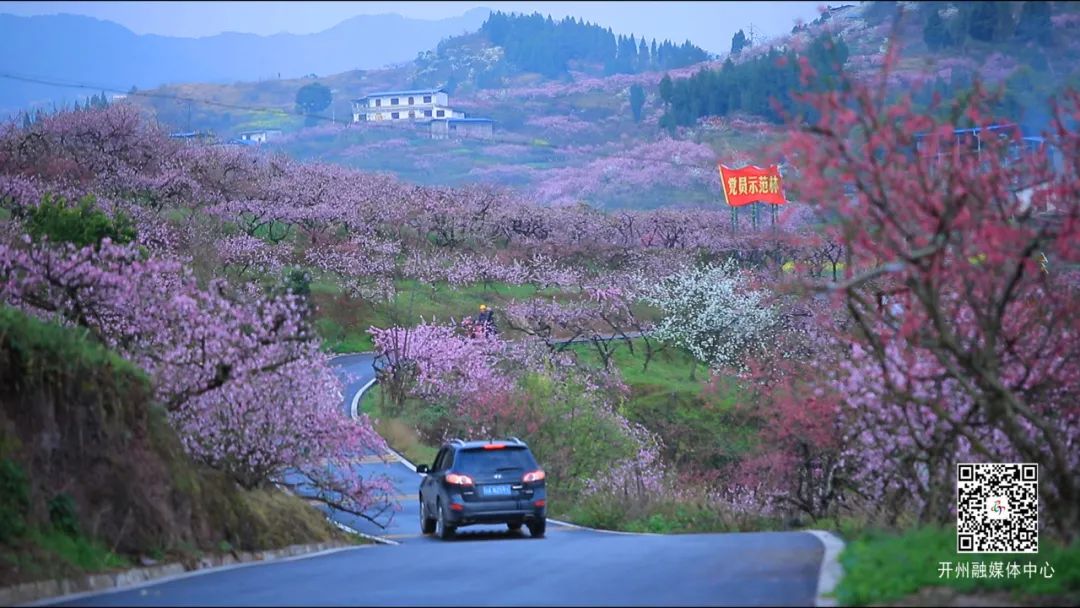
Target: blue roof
<point>184,135</point>
<point>413,92</point>
<point>974,130</point>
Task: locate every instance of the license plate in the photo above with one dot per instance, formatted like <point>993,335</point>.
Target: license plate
<point>496,490</point>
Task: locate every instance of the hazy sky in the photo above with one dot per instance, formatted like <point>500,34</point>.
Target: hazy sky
<point>710,25</point>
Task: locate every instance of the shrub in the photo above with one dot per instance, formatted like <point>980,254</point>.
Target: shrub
<point>14,500</point>
<point>82,224</point>
<point>62,514</point>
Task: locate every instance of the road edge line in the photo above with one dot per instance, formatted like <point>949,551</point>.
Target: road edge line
<point>167,578</point>
<point>831,571</point>
<point>353,411</point>
<point>372,537</point>
<point>341,526</point>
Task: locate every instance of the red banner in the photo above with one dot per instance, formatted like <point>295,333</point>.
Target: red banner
<point>752,185</point>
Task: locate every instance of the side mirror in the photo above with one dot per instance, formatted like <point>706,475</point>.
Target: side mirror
<point>422,469</point>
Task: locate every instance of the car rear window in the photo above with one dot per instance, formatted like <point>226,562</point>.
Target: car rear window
<point>480,460</point>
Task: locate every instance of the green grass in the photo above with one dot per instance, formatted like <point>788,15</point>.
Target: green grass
<point>339,340</point>
<point>880,568</point>
<point>35,343</point>
<point>670,371</point>
<point>78,551</point>
<point>343,322</point>
<point>44,553</point>
<point>399,434</point>
<point>669,399</point>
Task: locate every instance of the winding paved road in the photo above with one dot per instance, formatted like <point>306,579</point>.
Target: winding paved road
<point>488,565</point>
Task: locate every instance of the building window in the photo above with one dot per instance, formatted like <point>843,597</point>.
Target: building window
<point>411,101</point>
<point>378,102</point>
<point>427,113</point>
<point>393,101</point>
<point>440,113</point>
<point>427,98</point>
<point>453,127</point>
<point>412,114</point>
<point>395,114</point>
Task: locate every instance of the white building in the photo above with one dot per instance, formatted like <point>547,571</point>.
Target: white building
<point>445,128</point>
<point>259,137</point>
<point>420,104</point>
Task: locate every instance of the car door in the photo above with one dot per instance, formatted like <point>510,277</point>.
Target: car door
<point>429,485</point>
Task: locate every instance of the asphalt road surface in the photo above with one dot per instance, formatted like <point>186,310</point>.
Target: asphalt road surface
<point>489,565</point>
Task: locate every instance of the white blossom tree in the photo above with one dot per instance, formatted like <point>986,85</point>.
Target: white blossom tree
<point>710,312</point>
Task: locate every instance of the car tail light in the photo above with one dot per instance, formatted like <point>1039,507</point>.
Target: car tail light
<point>459,480</point>
<point>531,476</point>
<point>456,507</point>
<point>539,503</point>
<point>494,446</point>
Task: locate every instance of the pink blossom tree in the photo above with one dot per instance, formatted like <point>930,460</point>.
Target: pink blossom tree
<point>944,278</point>
<point>243,380</point>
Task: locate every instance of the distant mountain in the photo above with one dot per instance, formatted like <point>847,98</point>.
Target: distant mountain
<point>81,49</point>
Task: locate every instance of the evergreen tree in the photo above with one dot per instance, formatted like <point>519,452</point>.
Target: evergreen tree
<point>1035,23</point>
<point>666,88</point>
<point>984,19</point>
<point>738,42</point>
<point>313,98</point>
<point>540,44</point>
<point>637,100</point>
<point>935,34</point>
<point>756,86</point>
<point>879,11</point>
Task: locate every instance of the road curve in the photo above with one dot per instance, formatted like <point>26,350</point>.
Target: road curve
<point>488,565</point>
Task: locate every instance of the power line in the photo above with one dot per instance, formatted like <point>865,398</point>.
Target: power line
<point>404,127</point>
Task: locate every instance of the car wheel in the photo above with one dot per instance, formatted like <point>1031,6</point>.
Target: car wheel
<point>514,526</point>
<point>427,524</point>
<point>443,530</point>
<point>537,528</point>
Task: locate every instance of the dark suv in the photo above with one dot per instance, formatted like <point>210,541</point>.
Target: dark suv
<point>482,482</point>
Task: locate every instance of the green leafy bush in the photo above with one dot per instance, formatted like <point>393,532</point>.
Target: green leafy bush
<point>81,224</point>
<point>14,500</point>
<point>62,514</point>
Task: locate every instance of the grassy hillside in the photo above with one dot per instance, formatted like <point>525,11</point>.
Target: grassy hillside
<point>93,477</point>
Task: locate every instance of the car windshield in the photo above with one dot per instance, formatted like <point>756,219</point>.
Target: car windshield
<point>481,460</point>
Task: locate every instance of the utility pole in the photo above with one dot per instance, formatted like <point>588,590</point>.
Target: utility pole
<point>189,116</point>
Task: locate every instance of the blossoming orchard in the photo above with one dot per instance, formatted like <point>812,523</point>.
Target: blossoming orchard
<point>913,307</point>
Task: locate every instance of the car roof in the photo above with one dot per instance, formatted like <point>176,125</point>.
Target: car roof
<point>511,442</point>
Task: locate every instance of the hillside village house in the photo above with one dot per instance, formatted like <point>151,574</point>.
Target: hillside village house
<point>480,128</point>
<point>420,104</point>
<point>259,137</point>
<point>426,108</point>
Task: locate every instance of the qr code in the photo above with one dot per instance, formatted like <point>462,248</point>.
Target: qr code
<point>997,508</point>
